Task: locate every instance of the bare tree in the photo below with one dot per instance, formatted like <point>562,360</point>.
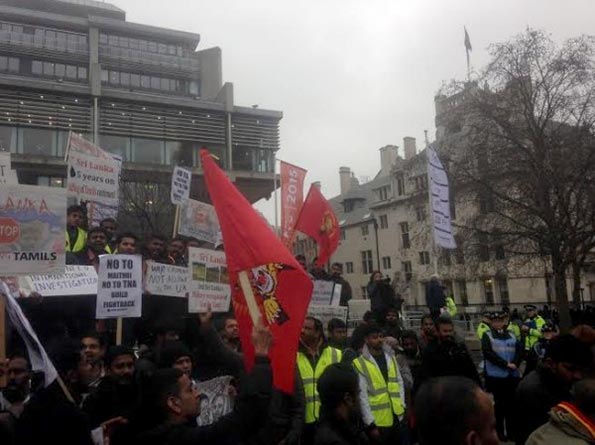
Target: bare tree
<point>521,149</point>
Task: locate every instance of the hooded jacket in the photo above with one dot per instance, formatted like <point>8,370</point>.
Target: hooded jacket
<point>567,426</point>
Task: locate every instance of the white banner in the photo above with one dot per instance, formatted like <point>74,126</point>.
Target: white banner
<point>439,201</point>
<point>119,290</point>
<point>199,220</point>
<point>209,280</point>
<point>76,280</point>
<point>7,174</point>
<point>165,279</point>
<point>327,313</point>
<point>32,222</point>
<point>93,174</point>
<point>180,185</point>
<point>326,293</point>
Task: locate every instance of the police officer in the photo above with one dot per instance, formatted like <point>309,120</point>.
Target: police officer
<point>313,357</point>
<point>484,324</point>
<point>531,329</point>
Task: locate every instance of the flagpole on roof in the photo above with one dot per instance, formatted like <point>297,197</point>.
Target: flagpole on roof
<point>468,49</point>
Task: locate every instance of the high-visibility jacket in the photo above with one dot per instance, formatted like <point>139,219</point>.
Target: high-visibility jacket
<point>534,334</point>
<point>79,244</point>
<point>482,328</point>
<point>514,329</point>
<point>108,249</point>
<point>451,306</point>
<point>385,398</point>
<point>310,376</point>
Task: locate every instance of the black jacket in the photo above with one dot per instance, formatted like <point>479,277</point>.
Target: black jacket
<point>435,298</point>
<point>536,394</point>
<point>382,296</point>
<point>236,427</point>
<point>334,431</point>
<point>345,289</point>
<point>495,359</point>
<point>110,400</point>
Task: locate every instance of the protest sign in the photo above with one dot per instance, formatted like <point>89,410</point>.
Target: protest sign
<point>180,185</point>
<point>165,279</point>
<point>215,401</point>
<point>32,221</point>
<point>76,280</point>
<point>97,212</point>
<point>119,290</point>
<point>93,174</point>
<point>7,174</point>
<point>326,293</point>
<point>199,220</point>
<point>327,313</point>
<point>209,281</point>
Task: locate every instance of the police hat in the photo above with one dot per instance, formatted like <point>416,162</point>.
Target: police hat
<point>497,315</point>
<point>530,307</point>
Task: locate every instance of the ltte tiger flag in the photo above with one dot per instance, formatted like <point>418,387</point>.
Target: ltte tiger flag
<point>292,198</point>
<point>264,276</point>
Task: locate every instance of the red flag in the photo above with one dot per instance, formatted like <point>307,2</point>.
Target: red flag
<point>318,221</point>
<point>281,287</point>
<point>292,198</point>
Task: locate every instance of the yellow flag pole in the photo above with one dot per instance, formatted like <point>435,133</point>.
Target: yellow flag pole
<point>249,296</point>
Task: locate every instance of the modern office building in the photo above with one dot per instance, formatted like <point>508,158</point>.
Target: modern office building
<point>143,92</point>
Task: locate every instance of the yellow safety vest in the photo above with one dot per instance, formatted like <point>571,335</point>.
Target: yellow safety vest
<point>80,243</point>
<point>514,330</point>
<point>310,376</point>
<point>385,400</point>
<point>482,328</point>
<point>534,334</point>
<point>108,249</point>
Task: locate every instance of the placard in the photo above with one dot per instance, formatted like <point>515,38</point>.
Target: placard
<point>327,313</point>
<point>32,222</point>
<point>209,280</point>
<point>180,185</point>
<point>76,280</point>
<point>119,290</point>
<point>326,293</point>
<point>215,401</point>
<point>7,174</point>
<point>199,220</point>
<point>165,279</point>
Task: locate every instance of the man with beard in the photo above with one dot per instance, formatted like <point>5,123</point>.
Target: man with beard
<point>391,323</point>
<point>116,393</point>
<point>428,331</point>
<point>155,250</point>
<point>110,227</point>
<point>337,333</point>
<point>14,395</point>
<point>412,353</point>
<point>340,421</point>
<point>337,277</point>
<point>89,256</point>
<point>230,333</point>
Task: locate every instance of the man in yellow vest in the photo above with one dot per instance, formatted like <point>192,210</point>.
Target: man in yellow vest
<point>76,237</point>
<point>382,391</point>
<point>313,357</point>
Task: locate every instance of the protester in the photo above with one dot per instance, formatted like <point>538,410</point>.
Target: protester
<point>454,411</point>
<point>89,256</point>
<point>176,251</point>
<point>570,423</point>
<point>382,391</point>
<point>392,327</point>
<point>317,271</point>
<point>230,333</point>
<point>435,299</point>
<point>126,243</point>
<point>340,421</point>
<point>110,227</point>
<point>412,354</point>
<point>18,386</point>
<point>176,355</point>
<point>549,384</point>
<point>502,354</point>
<point>428,331</point>
<point>76,236</point>
<point>337,277</point>
<point>381,295</point>
<point>357,337</point>
<point>155,250</point>
<point>337,333</point>
<point>313,357</point>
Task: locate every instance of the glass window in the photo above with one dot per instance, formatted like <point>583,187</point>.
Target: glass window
<point>242,158</point>
<point>123,42</point>
<point>384,221</point>
<point>148,151</point>
<point>488,291</point>
<point>103,39</point>
<point>37,141</point>
<point>13,65</point>
<point>386,262</point>
<point>104,76</point>
<point>162,48</point>
<point>145,82</point>
<point>48,69</point>
<point>57,181</point>
<point>135,80</point>
<point>155,83</point>
<point>125,79</point>
<point>180,51</point>
<point>114,77</point>
<point>3,63</point>
<point>8,140</point>
<point>367,264</point>
<point>60,70</point>
<point>133,43</point>
<point>113,40</point>
<point>143,45</point>
<point>503,287</point>
<point>349,267</point>
<point>407,270</point>
<point>365,230</point>
<point>165,84</point>
<point>152,47</point>
<point>171,49</point>
<point>179,153</point>
<point>194,89</point>
<point>82,73</point>
<point>36,67</point>
<point>119,145</point>
<point>44,181</point>
<point>70,72</point>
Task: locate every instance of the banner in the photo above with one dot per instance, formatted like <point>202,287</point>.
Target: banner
<point>97,212</point>
<point>180,185</point>
<point>327,313</point>
<point>439,201</point>
<point>215,401</point>
<point>209,280</point>
<point>165,279</point>
<point>76,280</point>
<point>199,220</point>
<point>326,293</point>
<point>32,222</point>
<point>292,198</point>
<point>93,174</point>
<point>7,174</point>
<point>119,290</point>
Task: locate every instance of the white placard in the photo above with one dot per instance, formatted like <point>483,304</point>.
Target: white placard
<point>327,313</point>
<point>76,280</point>
<point>209,280</point>
<point>326,293</point>
<point>165,279</point>
<point>180,185</point>
<point>7,174</point>
<point>199,220</point>
<point>119,292</point>
<point>439,201</point>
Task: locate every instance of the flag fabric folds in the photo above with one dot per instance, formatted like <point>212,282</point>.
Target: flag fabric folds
<point>318,220</point>
<point>439,201</point>
<point>467,40</point>
<point>292,198</point>
<point>282,289</point>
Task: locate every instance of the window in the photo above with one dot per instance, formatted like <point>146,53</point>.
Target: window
<point>3,63</point>
<point>51,181</point>
<point>349,267</point>
<point>421,182</point>
<point>364,291</point>
<point>488,291</point>
<point>36,67</point>
<point>405,235</point>
<point>424,258</point>
<point>367,264</point>
<point>145,82</point>
<point>498,246</point>
<point>71,72</point>
<point>8,139</point>
<point>82,73</point>
<point>420,213</point>
<point>125,79</point>
<point>342,235</point>
<point>13,65</point>
<point>386,262</point>
<point>348,205</point>
<point>147,150</point>
<point>118,145</point>
<point>384,221</point>
<point>155,83</point>
<point>400,185</point>
<point>365,230</point>
<point>407,270</point>
<point>503,289</point>
<point>60,70</point>
<point>114,77</point>
<point>461,286</point>
<point>383,193</point>
<point>36,141</point>
<point>135,80</point>
<point>48,69</point>
<point>483,247</point>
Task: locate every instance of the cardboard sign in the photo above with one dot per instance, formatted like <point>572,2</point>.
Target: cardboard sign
<point>32,222</point>
<point>119,290</point>
<point>326,293</point>
<point>209,281</point>
<point>327,313</point>
<point>215,400</point>
<point>93,174</point>
<point>165,279</point>
<point>199,220</point>
<point>180,185</point>
<point>76,280</point>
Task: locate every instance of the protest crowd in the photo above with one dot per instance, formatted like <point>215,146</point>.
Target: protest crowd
<point>270,372</point>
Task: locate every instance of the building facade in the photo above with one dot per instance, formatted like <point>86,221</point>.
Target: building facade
<point>142,92</point>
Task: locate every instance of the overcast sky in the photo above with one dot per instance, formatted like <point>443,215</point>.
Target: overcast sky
<point>352,75</point>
